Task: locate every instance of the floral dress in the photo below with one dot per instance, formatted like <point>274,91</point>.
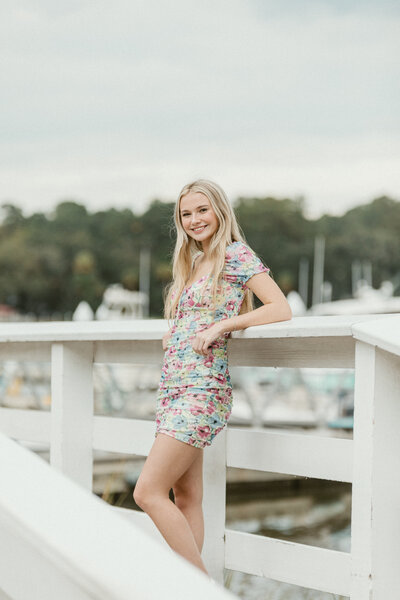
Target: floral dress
<point>194,399</point>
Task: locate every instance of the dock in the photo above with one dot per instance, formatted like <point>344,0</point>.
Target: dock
<point>75,545</point>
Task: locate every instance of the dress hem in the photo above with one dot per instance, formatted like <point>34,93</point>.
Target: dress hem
<point>181,437</point>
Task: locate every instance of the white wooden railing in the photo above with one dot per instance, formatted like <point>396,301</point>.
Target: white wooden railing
<point>371,461</point>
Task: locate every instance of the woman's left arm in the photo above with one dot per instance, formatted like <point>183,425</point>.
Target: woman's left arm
<point>276,307</point>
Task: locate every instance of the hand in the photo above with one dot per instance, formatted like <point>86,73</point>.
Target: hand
<point>165,339</point>
<point>206,337</point>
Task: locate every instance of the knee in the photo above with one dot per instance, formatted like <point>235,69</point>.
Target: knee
<point>142,495</point>
<point>148,495</point>
<point>186,498</point>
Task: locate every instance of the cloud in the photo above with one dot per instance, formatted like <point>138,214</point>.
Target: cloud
<point>118,103</point>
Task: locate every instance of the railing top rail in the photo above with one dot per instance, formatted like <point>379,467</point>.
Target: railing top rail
<point>384,335</point>
<point>154,329</point>
<point>94,547</point>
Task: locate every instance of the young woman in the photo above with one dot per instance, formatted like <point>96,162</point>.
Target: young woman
<point>210,288</point>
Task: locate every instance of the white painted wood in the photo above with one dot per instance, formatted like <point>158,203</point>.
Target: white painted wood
<point>376,489</point>
<point>214,506</point>
<point>309,326</point>
<point>308,341</point>
<point>143,521</point>
<point>129,436</point>
<point>134,352</point>
<point>27,571</point>
<point>298,564</point>
<point>361,510</point>
<point>85,544</point>
<point>4,596</point>
<point>90,331</point>
<point>383,334</point>
<point>154,329</point>
<point>290,453</point>
<point>28,351</point>
<point>29,425</point>
<point>333,351</point>
<point>72,410</point>
<point>385,478</point>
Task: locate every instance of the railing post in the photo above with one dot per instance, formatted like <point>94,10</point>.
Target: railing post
<point>214,506</point>
<point>72,410</point>
<point>376,486</point>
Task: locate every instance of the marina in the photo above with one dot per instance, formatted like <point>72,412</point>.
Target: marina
<point>304,545</point>
<point>199,238</point>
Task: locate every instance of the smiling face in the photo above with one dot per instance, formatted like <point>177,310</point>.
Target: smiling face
<point>198,217</point>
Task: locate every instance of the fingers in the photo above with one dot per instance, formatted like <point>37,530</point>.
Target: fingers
<point>200,345</point>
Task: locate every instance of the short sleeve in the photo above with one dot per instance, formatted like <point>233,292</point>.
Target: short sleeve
<point>242,263</point>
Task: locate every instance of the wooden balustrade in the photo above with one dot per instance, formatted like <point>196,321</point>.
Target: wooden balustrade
<point>370,344</point>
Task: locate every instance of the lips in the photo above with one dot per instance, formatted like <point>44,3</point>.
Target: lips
<point>199,229</point>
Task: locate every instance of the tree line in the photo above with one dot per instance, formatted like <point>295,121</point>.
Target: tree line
<point>50,262</point>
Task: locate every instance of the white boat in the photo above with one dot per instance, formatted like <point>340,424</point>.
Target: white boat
<point>367,300</point>
<point>119,303</point>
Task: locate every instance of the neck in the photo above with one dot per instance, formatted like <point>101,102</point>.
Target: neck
<point>205,247</point>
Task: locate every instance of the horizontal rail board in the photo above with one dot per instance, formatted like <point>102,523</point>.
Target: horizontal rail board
<point>127,436</point>
<point>290,453</point>
<point>310,326</point>
<point>336,352</point>
<point>90,331</point>
<point>384,335</point>
<point>141,520</point>
<point>331,351</point>
<point>29,425</point>
<point>35,574</point>
<point>80,535</point>
<point>154,329</point>
<point>139,352</point>
<point>298,564</point>
<point>26,351</point>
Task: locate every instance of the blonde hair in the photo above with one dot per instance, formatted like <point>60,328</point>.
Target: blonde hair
<point>185,248</point>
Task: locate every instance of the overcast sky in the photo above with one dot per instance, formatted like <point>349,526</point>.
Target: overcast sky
<point>116,103</point>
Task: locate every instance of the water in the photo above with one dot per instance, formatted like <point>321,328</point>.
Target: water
<point>316,513</point>
<point>302,510</point>
<point>251,587</point>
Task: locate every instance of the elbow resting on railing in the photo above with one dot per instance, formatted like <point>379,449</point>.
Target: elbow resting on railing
<point>272,312</point>
<point>275,305</point>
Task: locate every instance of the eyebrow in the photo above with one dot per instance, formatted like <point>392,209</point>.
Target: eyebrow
<point>200,206</point>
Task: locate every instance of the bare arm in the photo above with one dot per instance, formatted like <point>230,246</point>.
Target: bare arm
<point>276,307</point>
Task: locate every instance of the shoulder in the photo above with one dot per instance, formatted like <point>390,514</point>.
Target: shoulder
<point>242,261</point>
<point>239,251</point>
<point>235,247</point>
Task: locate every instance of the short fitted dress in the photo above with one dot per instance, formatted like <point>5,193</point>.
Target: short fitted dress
<point>194,400</point>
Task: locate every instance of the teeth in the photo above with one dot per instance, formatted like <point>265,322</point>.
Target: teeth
<point>199,228</point>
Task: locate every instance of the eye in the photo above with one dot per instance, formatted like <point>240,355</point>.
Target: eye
<point>203,209</point>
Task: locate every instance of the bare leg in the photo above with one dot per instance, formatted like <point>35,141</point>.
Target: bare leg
<point>188,493</point>
<point>167,461</point>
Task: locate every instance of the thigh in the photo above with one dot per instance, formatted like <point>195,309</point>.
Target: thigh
<point>191,482</point>
<point>168,459</point>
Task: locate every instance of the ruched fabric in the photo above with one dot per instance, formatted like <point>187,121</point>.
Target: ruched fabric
<point>194,400</point>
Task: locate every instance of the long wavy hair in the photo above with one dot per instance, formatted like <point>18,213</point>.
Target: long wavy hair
<point>186,248</point>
